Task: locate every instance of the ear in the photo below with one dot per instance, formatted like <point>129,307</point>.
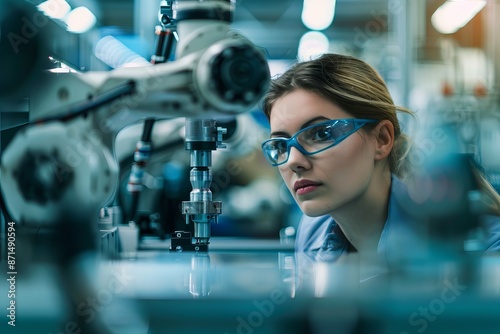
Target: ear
<point>384,139</point>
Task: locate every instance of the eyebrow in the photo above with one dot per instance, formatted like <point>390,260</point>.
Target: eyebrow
<point>305,125</point>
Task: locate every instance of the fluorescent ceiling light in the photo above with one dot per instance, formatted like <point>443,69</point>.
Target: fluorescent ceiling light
<point>56,9</point>
<point>80,20</point>
<point>455,14</point>
<point>311,44</point>
<point>318,14</point>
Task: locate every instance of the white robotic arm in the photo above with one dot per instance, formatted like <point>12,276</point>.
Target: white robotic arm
<point>64,161</point>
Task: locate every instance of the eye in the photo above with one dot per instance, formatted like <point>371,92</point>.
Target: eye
<point>280,145</point>
<point>277,147</point>
<point>329,132</point>
<point>322,133</point>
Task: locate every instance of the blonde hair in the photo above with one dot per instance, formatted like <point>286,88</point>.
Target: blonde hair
<point>359,90</point>
<point>491,198</point>
<point>353,85</point>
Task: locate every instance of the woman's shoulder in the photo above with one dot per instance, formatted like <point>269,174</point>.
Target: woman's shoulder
<point>411,215</point>
<point>491,225</point>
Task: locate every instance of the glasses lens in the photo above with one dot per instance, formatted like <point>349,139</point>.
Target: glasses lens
<point>313,139</point>
<point>324,135</point>
<point>275,150</point>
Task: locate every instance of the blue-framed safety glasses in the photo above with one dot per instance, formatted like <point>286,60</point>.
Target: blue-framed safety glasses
<point>312,139</point>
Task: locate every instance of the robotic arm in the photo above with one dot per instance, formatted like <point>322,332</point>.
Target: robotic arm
<point>64,161</point>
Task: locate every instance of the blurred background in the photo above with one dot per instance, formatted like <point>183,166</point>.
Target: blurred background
<point>438,58</point>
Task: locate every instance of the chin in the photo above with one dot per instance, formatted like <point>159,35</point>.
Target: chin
<point>313,210</point>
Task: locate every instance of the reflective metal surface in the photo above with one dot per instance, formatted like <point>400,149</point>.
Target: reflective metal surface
<point>260,286</point>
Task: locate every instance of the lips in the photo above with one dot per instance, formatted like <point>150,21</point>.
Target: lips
<point>302,187</point>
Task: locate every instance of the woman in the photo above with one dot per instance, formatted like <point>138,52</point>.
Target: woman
<point>339,147</point>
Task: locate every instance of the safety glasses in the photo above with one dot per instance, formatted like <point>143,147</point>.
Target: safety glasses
<point>313,139</point>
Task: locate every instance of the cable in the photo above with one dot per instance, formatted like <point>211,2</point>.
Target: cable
<point>148,129</point>
<point>3,207</point>
<point>92,104</point>
<point>141,157</point>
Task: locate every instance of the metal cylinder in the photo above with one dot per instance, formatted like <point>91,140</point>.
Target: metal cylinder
<point>200,181</point>
<point>201,158</point>
<point>200,130</point>
<point>200,277</point>
<point>202,230</point>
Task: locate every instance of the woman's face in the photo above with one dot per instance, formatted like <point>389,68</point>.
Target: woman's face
<point>329,180</point>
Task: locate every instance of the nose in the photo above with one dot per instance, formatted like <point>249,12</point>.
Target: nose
<point>297,160</point>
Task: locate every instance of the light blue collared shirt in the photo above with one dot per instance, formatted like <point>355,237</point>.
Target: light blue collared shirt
<point>401,233</point>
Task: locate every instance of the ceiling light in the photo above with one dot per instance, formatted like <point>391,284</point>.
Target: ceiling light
<point>455,14</point>
<point>80,20</point>
<point>318,14</point>
<point>56,9</point>
<point>311,44</point>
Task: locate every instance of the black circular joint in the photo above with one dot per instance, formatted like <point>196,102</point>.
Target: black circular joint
<point>43,177</point>
<point>239,74</point>
<point>165,20</point>
<point>200,145</point>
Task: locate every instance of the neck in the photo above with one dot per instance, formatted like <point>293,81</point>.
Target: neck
<point>363,220</point>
